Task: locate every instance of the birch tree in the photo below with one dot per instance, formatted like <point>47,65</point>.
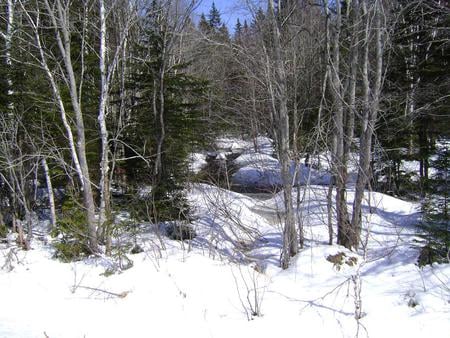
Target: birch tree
<point>109,58</point>
<point>7,36</point>
<point>372,87</point>
<point>366,31</point>
<point>277,85</point>
<point>336,87</point>
<point>59,14</point>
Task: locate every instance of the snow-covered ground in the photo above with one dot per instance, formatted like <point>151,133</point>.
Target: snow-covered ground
<point>216,284</point>
<point>264,172</point>
<point>263,144</point>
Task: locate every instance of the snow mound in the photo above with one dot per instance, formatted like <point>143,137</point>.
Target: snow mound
<point>264,172</point>
<point>224,220</point>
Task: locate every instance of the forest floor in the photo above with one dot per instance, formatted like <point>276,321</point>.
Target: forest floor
<point>227,282</point>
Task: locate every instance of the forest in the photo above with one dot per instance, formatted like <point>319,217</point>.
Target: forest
<point>284,173</point>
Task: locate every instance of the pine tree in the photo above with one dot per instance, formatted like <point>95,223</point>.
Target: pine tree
<point>238,31</point>
<point>223,35</point>
<point>417,81</point>
<point>214,20</point>
<point>166,113</point>
<point>258,22</point>
<point>203,25</point>
<point>436,221</point>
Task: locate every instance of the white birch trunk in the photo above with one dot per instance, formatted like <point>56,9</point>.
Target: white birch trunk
<point>59,16</point>
<point>290,239</point>
<point>51,196</point>
<point>8,43</point>
<point>56,93</point>
<point>104,164</point>
<point>371,106</point>
<point>339,163</point>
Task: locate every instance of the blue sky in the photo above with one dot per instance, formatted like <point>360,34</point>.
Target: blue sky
<point>229,10</point>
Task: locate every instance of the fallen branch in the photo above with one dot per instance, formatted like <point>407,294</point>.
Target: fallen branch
<point>119,295</point>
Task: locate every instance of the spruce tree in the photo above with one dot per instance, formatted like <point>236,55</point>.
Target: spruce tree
<point>214,20</point>
<point>417,83</point>
<point>203,25</point>
<point>166,110</point>
<point>238,31</point>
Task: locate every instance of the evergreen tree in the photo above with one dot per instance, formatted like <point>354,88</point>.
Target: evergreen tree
<point>238,32</point>
<point>258,21</point>
<point>203,25</point>
<point>214,20</point>
<point>418,83</point>
<point>223,34</point>
<point>166,113</point>
<point>245,28</point>
<point>436,220</point>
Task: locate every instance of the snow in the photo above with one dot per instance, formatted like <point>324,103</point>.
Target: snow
<point>232,144</point>
<point>144,191</point>
<point>412,168</point>
<point>254,159</point>
<point>197,161</point>
<point>209,287</point>
<point>264,172</point>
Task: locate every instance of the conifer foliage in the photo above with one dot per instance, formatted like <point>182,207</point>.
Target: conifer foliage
<point>166,117</point>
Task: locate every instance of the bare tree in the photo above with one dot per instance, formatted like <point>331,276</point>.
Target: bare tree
<point>371,106</point>
<point>110,54</point>
<point>365,29</point>
<point>51,196</point>
<point>19,169</point>
<point>336,86</point>
<point>277,84</point>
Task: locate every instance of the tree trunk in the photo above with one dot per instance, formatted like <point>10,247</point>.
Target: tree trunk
<point>339,161</point>
<point>280,98</point>
<point>51,197</point>
<point>105,202</point>
<point>162,126</point>
<point>59,17</point>
<point>8,42</point>
<point>371,106</point>
<point>354,54</point>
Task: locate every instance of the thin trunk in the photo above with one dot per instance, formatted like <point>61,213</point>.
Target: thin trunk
<point>8,44</point>
<point>322,101</point>
<point>161,110</point>
<point>354,54</point>
<point>59,19</point>
<point>290,240</point>
<point>104,210</point>
<point>88,196</point>
<point>369,122</point>
<point>162,135</point>
<point>338,159</point>
<point>331,184</point>
<point>297,174</point>
<point>57,96</point>
<point>51,197</point>
<point>254,118</point>
<point>330,211</point>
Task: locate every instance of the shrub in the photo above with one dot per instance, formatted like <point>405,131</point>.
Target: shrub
<point>71,232</point>
<point>436,235</point>
<point>3,230</point>
<point>435,225</point>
